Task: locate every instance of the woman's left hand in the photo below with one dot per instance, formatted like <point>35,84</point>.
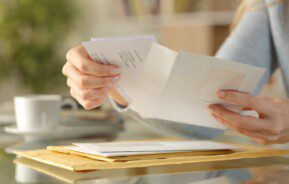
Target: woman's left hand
<point>272,126</point>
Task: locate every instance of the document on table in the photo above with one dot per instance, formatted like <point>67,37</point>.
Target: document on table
<point>160,83</point>
<point>140,148</point>
<point>127,52</point>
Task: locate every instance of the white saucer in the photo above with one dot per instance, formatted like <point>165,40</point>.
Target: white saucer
<point>7,119</point>
<point>65,131</point>
<point>25,147</point>
<point>14,130</point>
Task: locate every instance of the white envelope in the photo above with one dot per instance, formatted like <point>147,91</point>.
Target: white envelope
<point>179,87</point>
<point>142,148</point>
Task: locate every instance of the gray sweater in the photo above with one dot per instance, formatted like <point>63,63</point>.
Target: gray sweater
<point>261,38</point>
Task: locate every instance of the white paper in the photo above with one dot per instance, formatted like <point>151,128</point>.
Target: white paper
<point>114,154</point>
<point>156,72</point>
<point>123,38</point>
<point>162,84</point>
<point>190,87</point>
<point>128,52</point>
<point>139,148</point>
<point>220,78</point>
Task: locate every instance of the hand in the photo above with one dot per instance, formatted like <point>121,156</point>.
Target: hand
<point>271,127</point>
<point>281,176</point>
<point>89,82</point>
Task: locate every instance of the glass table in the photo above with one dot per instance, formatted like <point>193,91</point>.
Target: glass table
<point>261,170</point>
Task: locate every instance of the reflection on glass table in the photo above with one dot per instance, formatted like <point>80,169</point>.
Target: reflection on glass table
<point>271,176</point>
<point>236,171</point>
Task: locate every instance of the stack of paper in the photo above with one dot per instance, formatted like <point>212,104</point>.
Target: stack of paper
<point>175,86</point>
<point>118,155</point>
<point>113,149</point>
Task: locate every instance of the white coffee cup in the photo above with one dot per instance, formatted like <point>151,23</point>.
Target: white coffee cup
<point>37,112</point>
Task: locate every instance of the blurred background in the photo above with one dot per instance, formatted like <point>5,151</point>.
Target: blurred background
<point>36,34</point>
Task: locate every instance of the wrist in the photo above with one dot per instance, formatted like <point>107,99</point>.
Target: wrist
<point>115,96</point>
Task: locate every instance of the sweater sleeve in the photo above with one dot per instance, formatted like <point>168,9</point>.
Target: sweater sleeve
<point>249,43</point>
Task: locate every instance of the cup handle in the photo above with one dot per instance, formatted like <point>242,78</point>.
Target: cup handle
<point>70,102</point>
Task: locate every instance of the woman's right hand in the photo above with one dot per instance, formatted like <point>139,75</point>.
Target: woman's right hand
<point>90,82</point>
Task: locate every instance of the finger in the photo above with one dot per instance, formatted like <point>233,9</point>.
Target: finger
<point>248,122</point>
<point>64,69</point>
<point>282,137</point>
<point>259,137</point>
<point>259,141</point>
<point>87,104</point>
<point>244,122</point>
<point>79,58</point>
<point>250,181</point>
<point>89,81</point>
<point>79,50</point>
<point>254,180</point>
<point>283,140</point>
<point>244,99</point>
<point>247,109</point>
<point>224,122</point>
<point>88,94</point>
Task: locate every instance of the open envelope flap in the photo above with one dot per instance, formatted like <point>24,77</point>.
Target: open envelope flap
<point>179,87</point>
<point>80,163</point>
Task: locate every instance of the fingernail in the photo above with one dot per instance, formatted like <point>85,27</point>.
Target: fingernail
<point>115,79</point>
<point>214,116</point>
<point>106,89</point>
<point>115,71</point>
<point>221,94</point>
<point>111,85</point>
<point>212,108</point>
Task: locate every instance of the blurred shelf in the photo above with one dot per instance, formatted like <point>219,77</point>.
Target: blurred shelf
<point>151,23</point>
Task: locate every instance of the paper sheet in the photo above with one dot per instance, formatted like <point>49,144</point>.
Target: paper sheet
<point>139,148</point>
<point>191,86</point>
<point>162,84</point>
<point>127,52</point>
<point>156,72</point>
<point>116,154</point>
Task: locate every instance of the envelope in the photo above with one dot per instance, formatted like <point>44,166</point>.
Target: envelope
<point>63,149</point>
